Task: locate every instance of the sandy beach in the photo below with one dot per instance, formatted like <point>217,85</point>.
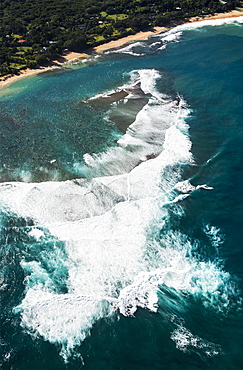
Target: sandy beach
<point>65,58</point>
<point>69,57</point>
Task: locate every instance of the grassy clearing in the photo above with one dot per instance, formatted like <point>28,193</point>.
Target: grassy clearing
<point>24,48</point>
<point>141,9</point>
<point>17,36</point>
<point>116,33</point>
<point>115,17</point>
<point>96,38</point>
<point>17,66</point>
<point>99,38</point>
<point>104,25</point>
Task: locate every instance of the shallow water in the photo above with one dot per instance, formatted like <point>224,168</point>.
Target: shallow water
<point>123,250</point>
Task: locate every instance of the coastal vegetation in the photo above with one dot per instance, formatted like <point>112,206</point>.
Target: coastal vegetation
<point>35,32</point>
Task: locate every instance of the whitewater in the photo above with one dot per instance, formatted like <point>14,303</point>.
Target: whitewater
<point>108,244</point>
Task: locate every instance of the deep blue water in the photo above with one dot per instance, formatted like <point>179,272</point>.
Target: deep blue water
<point>125,251</point>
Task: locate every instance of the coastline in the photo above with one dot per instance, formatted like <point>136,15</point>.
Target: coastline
<point>69,57</point>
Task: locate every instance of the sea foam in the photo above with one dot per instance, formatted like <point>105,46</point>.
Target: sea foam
<point>175,34</point>
<point>111,225</point>
<point>189,343</point>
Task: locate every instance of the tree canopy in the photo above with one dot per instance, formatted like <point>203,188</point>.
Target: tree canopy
<point>33,32</point>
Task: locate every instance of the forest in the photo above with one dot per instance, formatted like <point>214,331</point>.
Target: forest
<point>35,32</point>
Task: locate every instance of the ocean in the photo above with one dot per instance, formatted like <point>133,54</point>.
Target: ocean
<point>121,207</point>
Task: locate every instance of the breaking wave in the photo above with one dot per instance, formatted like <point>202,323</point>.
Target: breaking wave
<point>110,224</point>
<point>159,42</point>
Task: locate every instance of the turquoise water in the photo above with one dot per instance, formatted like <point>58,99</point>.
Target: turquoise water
<point>121,208</point>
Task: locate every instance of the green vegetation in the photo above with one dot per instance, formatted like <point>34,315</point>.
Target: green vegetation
<point>35,32</point>
<point>116,17</point>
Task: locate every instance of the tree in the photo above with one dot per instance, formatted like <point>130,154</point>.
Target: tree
<point>77,42</point>
<point>139,23</point>
<point>42,60</point>
<point>108,31</point>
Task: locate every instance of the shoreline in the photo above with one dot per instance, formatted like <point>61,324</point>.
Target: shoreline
<point>70,57</point>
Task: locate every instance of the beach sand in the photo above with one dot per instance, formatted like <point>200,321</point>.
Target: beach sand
<point>69,57</point>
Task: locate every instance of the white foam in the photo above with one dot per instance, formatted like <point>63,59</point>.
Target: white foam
<point>112,265</point>
<point>188,343</point>
<point>145,78</point>
<point>36,233</point>
<point>109,225</point>
<point>185,187</point>
<point>129,49</point>
<point>171,37</point>
<point>110,255</point>
<point>209,22</point>
<point>148,79</point>
<point>105,243</point>
<point>175,33</point>
<point>145,137</point>
<point>215,235</point>
<point>178,270</point>
<point>51,202</point>
<point>65,319</point>
<point>179,198</point>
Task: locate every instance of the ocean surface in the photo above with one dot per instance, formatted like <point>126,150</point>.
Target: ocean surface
<point>122,208</point>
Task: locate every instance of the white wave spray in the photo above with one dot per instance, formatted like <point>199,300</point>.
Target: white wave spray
<point>110,226</point>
